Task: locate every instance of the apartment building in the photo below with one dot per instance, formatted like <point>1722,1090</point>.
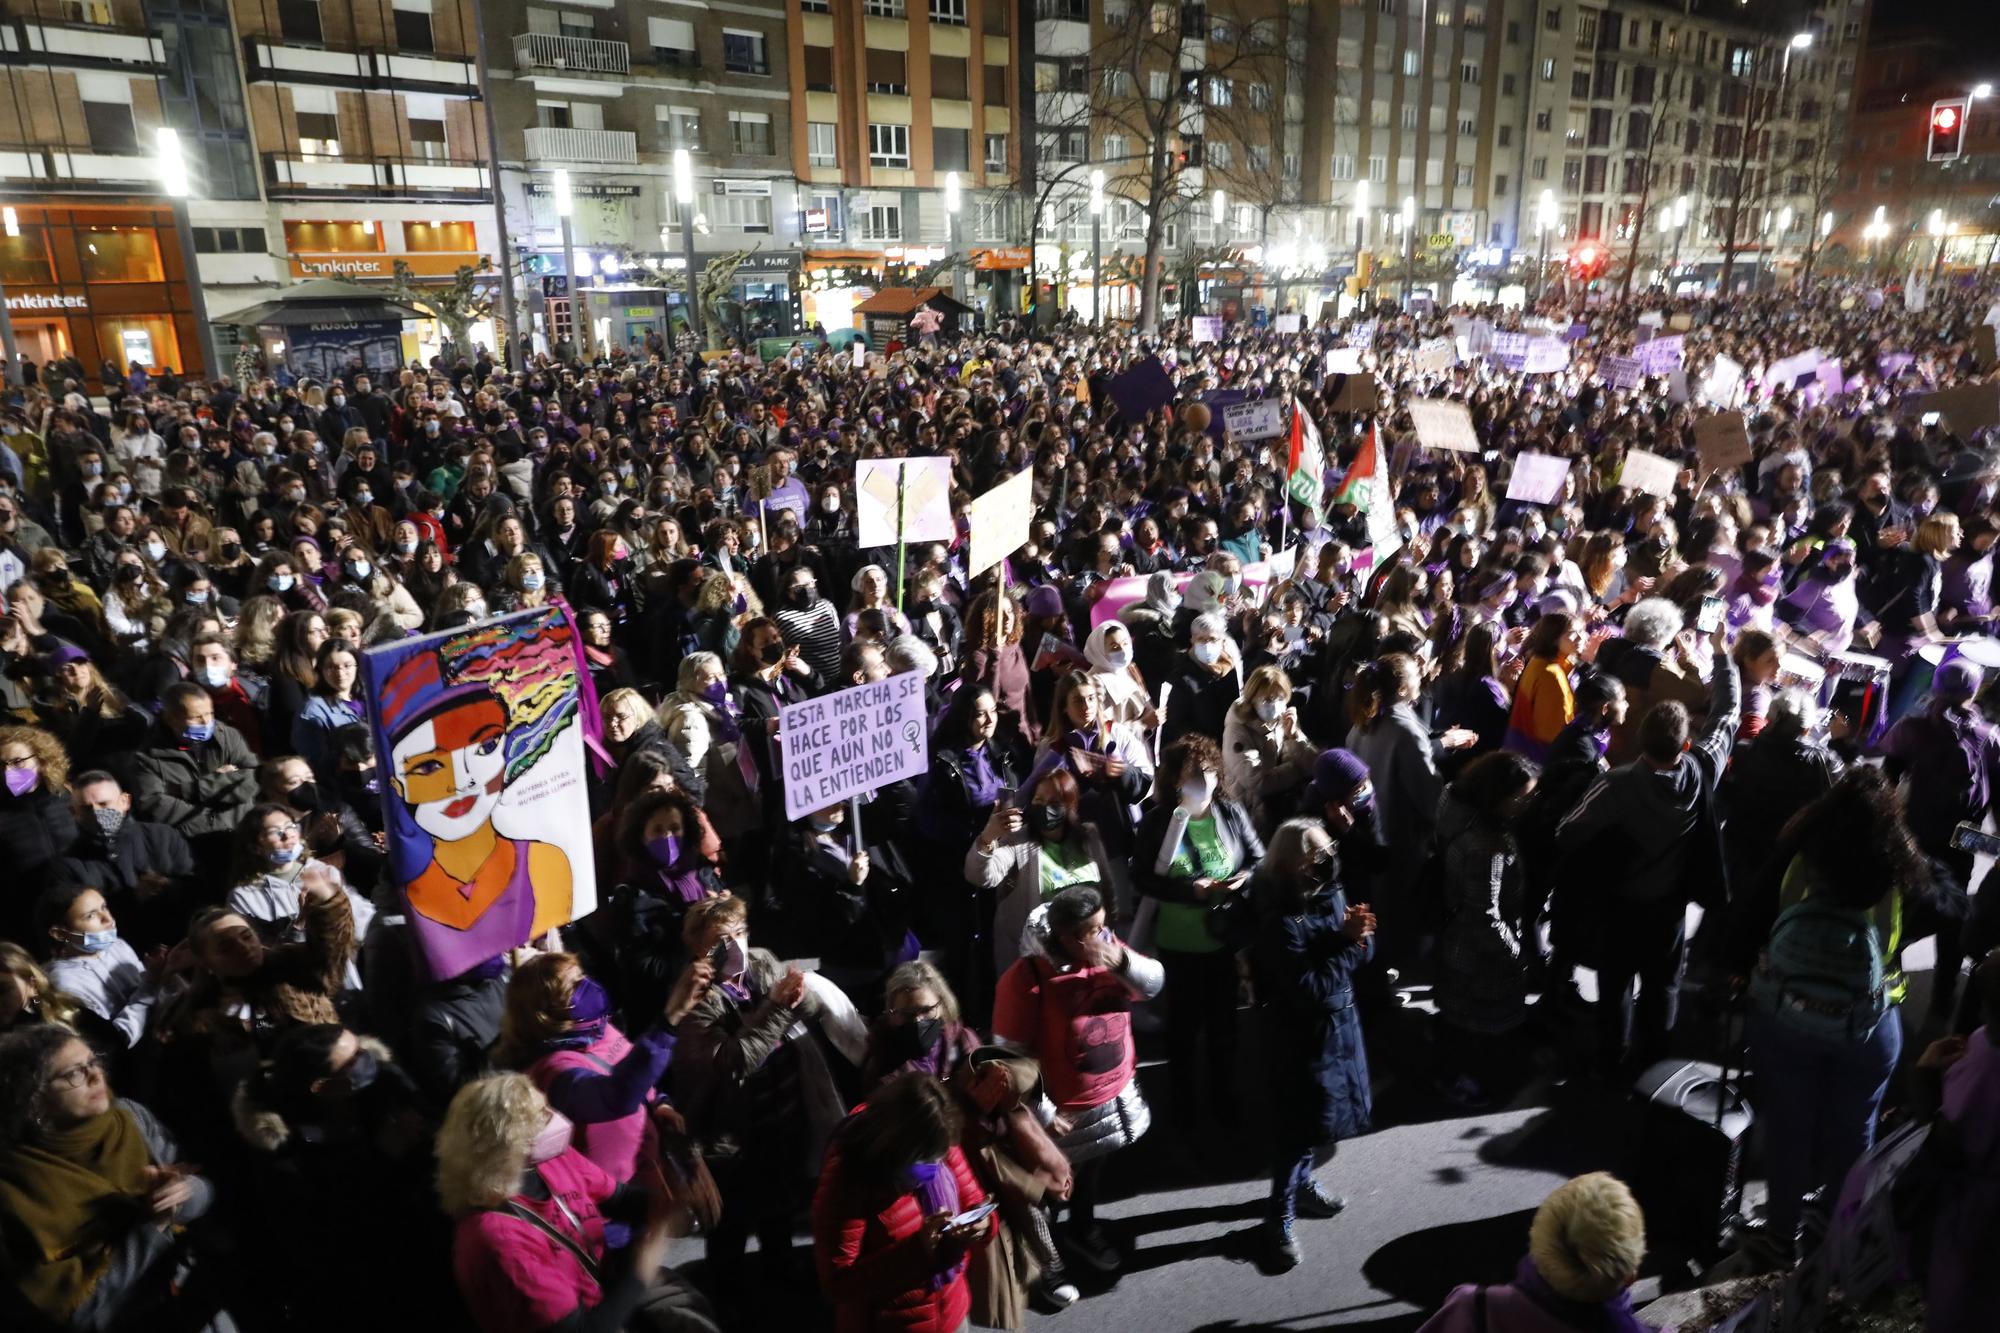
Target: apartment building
<point>893,98</point>
<point>608,91</point>
<point>1621,111</point>
<point>1886,166</point>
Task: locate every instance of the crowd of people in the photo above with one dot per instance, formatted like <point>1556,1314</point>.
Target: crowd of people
<point>1231,754</point>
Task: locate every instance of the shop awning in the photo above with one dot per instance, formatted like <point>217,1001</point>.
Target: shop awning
<point>325,301</point>
<point>908,300</point>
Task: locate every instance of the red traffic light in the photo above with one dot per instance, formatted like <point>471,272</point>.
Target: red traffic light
<point>1945,118</point>
<point>1588,260</point>
<point>1947,130</point>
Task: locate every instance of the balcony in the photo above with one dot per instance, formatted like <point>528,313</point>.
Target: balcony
<point>555,146</point>
<point>383,71</point>
<point>80,46</point>
<point>316,176</point>
<point>82,167</point>
<point>536,52</point>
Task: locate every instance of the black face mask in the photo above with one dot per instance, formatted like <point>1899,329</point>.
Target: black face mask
<point>305,796</point>
<point>230,550</point>
<point>801,597</point>
<point>773,653</point>
<point>908,1041</point>
<point>1049,819</point>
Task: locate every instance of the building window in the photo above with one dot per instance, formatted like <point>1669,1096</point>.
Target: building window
<point>1343,166</point>
<point>882,222</point>
<point>1506,85</point>
<point>298,21</point>
<point>1505,136</point>
<point>1468,72</point>
<point>413,26</point>
<point>1463,176</point>
<point>820,149</point>
<point>816,6</point>
<point>888,72</point>
<point>744,52</point>
<point>1548,69</point>
<point>951,150</point>
<point>750,133</point>
<point>1499,184</point>
<point>1538,169</point>
<point>744,212</point>
<point>1412,64</point>
<point>1543,121</point>
<point>319,134</point>
<point>673,43</point>
<point>1409,117</point>
<point>452,238</point>
<point>889,146</point>
<point>1259,96</point>
<point>214,241</point>
<point>427,139</point>
<point>823,212</point>
<point>996,152</point>
<point>948,75</point>
<point>680,126</point>
<point>1157,85</point>
<point>948,11</point>
<point>1221,92</point>
<point>1259,156</point>
<point>882,9</point>
<point>1468,127</point>
<point>1116,146</point>
<point>1117,82</point>
<point>819,69</point>
<point>1579,85</point>
<point>1378,169</point>
<point>1116,13</point>
<point>1220,156</point>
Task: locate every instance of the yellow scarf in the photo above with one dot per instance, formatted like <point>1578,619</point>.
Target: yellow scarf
<point>68,1196</point>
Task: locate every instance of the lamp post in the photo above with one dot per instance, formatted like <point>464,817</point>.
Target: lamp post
<point>1680,230</point>
<point>12,371</point>
<point>1940,229</point>
<point>1218,217</point>
<point>1096,244</point>
<point>953,234</point>
<point>1877,228</point>
<point>1816,243</point>
<point>684,197</point>
<point>1361,239</point>
<point>1545,222</point>
<point>1409,248</point>
<point>579,307</point>
<point>174,184</point>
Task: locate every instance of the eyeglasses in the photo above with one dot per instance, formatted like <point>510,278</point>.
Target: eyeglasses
<point>907,1015</point>
<point>77,1075</point>
<point>279,832</point>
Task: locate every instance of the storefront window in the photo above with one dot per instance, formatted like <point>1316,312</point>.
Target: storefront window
<point>120,254</point>
<point>332,238</point>
<point>24,259</point>
<point>440,237</point>
<point>147,339</point>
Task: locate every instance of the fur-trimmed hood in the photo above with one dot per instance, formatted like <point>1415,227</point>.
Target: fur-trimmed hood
<point>264,1128</point>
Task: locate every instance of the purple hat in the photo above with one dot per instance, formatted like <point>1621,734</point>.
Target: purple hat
<point>1839,546</point>
<point>1336,773</point>
<point>1956,681</point>
<point>62,655</point>
<point>1042,601</point>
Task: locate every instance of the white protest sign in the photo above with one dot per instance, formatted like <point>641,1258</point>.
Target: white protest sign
<point>926,501</point>
<point>852,742</point>
<point>1258,419</point>
<point>1660,356</point>
<point>1509,349</point>
<point>1343,361</point>
<point>1652,319</point>
<point>1786,373</point>
<point>1538,478</point>
<point>1288,323</point>
<point>1649,473</point>
<point>1363,334</point>
<point>1207,328</point>
<point>1622,372</point>
<point>1725,379</point>
<point>999,523</point>
<point>860,355</point>
<point>1435,357</point>
<point>1546,356</point>
<point>1442,424</point>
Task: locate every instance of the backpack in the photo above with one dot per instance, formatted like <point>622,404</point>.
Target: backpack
<point>1821,974</point>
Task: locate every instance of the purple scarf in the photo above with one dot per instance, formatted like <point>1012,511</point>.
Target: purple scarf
<point>936,1189</point>
<point>982,782</point>
<point>1612,1316</point>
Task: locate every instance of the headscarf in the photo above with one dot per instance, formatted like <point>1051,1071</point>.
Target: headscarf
<point>74,1192</point>
<point>1119,684</point>
<point>1205,592</point>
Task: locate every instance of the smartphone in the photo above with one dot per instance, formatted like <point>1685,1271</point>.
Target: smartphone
<point>1710,614</point>
<point>718,955</point>
<point>1972,838</point>
<point>973,1216</point>
<point>1930,419</point>
<point>1006,799</point>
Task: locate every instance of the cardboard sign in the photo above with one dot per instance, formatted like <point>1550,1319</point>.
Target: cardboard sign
<point>1538,478</point>
<point>851,742</point>
<point>1622,372</point>
<point>1343,361</point>
<point>1291,323</point>
<point>1258,419</point>
<point>1984,350</point>
<point>1723,441</point>
<point>925,511</point>
<point>1660,356</point>
<point>1442,424</point>
<point>1206,328</point>
<point>1966,408</point>
<point>1141,389</point>
<point>1435,357</point>
<point>1649,473</point>
<point>998,523</point>
<point>1681,323</point>
<point>1356,393</point>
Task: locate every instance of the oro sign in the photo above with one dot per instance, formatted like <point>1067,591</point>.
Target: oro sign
<point>851,742</point>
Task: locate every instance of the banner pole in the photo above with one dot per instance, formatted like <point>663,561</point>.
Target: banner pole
<point>902,523</point>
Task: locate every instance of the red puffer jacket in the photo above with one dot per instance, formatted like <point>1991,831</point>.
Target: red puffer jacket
<point>871,1257</point>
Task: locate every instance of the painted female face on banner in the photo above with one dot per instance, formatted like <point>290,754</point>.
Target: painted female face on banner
<point>451,768</point>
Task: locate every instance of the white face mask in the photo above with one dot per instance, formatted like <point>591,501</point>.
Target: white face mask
<point>1118,660</point>
<point>735,957</point>
<point>1197,792</point>
<point>1269,709</point>
<point>1207,651</point>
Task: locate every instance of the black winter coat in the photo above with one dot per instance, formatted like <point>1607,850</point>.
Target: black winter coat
<point>1316,1063</point>
<point>35,830</point>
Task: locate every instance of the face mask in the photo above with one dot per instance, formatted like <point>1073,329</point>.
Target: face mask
<point>360,569</point>
<point>915,1039</point>
<point>531,582</point>
<point>279,583</point>
<point>1270,709</point>
<point>715,691</point>
<point>364,497</point>
<point>196,733</point>
<point>823,823</point>
<point>553,1140</point>
<point>801,597</point>
<point>1049,819</point>
<point>831,504</point>
<point>773,653</point>
<point>477,610</point>
<point>735,958</point>
<point>129,573</point>
<point>1207,651</point>
<point>93,469</point>
<point>95,941</point>
<point>430,428</point>
<point>361,1071</point>
<point>340,400</point>
<point>1196,792</point>
<point>108,821</point>
<point>156,551</point>
<point>1119,660</point>
<point>665,850</point>
<point>280,857</point>
<point>22,780</point>
<point>588,1003</point>
<point>214,677</point>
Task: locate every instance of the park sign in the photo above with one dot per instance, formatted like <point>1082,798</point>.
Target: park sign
<point>843,745</point>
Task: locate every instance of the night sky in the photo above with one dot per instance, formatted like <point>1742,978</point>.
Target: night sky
<point>1965,21</point>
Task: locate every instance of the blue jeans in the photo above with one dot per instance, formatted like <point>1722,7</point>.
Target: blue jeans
<point>1817,1101</point>
<point>1290,1173</point>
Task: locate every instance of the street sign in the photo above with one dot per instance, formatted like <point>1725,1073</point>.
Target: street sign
<point>1442,240</point>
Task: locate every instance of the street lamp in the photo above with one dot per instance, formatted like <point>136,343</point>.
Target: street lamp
<point>1409,248</point>
<point>174,184</point>
<point>1545,222</point>
<point>1096,245</point>
<point>684,196</point>
<point>953,234</point>
<point>1940,229</point>
<point>579,305</point>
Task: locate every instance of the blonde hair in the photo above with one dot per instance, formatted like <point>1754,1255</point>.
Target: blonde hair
<point>257,629</point>
<point>58,1007</point>
<point>920,975</point>
<point>708,912</point>
<point>629,702</point>
<point>482,1146</point>
<point>537,1006</point>
<point>1265,681</point>
<point>1588,1238</point>
<point>1936,534</point>
<point>343,623</point>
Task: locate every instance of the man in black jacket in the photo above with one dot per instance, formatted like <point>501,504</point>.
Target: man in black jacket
<point>145,870</point>
<point>196,774</point>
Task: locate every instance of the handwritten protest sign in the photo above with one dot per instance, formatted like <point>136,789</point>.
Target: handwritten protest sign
<point>1538,478</point>
<point>1722,440</point>
<point>1649,473</point>
<point>1435,357</point>
<point>1355,393</point>
<point>1546,356</point>
<point>1258,419</point>
<point>1207,328</point>
<point>999,522</point>
<point>852,742</point>
<point>1442,424</point>
<point>1724,382</point>
<point>1622,372</point>
<point>1288,323</point>
<point>925,504</point>
<point>1509,349</point>
<point>1660,355</point>
<point>1343,361</point>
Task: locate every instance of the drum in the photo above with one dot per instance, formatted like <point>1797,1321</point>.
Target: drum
<point>1857,685</point>
<point>1983,652</point>
<point>1797,671</point>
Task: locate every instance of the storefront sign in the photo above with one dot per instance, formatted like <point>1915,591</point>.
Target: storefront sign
<point>422,265</point>
<point>815,219</point>
<point>589,189</point>
<point>1001,257</point>
<point>36,301</point>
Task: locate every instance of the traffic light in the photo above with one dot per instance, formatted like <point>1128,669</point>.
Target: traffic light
<point>1588,260</point>
<point>1947,129</point>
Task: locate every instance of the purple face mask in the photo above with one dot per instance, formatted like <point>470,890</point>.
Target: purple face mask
<point>665,850</point>
<point>588,1003</point>
<point>21,781</point>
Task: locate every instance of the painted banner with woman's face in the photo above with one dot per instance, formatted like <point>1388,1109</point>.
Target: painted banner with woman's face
<point>479,736</point>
